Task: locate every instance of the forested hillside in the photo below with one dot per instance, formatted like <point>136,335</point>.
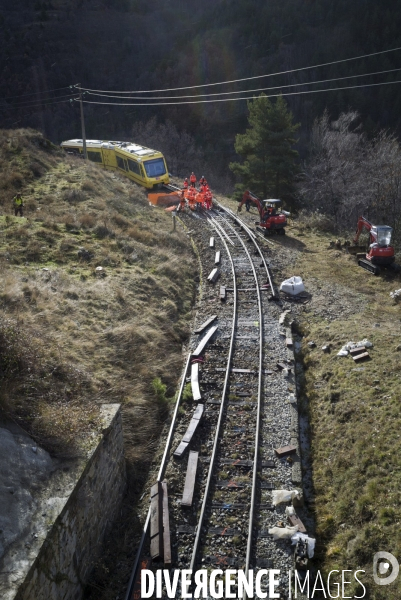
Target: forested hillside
<point>133,44</point>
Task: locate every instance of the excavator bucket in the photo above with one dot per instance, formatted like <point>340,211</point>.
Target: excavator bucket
<point>163,199</point>
<point>356,249</point>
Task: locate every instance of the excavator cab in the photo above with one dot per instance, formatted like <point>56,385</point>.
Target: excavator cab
<point>383,234</point>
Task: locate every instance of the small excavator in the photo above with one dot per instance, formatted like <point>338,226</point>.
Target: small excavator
<point>380,252</point>
<point>271,220</point>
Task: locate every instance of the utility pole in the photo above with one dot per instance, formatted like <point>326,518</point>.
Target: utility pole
<point>82,123</point>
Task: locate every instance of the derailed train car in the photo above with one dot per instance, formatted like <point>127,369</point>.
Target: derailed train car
<point>145,166</point>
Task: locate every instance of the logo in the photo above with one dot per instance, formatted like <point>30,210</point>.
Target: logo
<point>382,573</point>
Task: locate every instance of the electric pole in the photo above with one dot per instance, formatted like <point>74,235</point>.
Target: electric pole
<point>82,123</point>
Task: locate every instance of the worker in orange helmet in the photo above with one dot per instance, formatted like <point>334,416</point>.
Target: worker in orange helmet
<point>192,179</point>
<point>202,181</point>
<point>186,183</point>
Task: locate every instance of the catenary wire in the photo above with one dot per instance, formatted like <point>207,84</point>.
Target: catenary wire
<point>263,89</point>
<point>334,62</point>
<point>35,93</point>
<point>349,87</point>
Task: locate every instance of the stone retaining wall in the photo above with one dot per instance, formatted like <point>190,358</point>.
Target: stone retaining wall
<point>72,545</point>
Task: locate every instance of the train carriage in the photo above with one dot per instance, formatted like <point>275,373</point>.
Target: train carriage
<point>143,165</point>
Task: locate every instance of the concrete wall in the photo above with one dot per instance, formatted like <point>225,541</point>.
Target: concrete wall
<point>72,545</point>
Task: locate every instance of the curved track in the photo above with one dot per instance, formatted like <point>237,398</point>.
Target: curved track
<point>243,392</point>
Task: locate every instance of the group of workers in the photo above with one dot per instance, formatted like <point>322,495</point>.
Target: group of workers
<point>194,197</point>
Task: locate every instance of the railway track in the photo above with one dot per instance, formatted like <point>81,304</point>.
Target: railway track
<point>243,382</point>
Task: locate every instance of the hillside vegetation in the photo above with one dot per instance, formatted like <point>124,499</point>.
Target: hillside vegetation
<point>71,336</point>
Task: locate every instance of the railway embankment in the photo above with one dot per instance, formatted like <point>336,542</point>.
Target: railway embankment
<point>96,294</point>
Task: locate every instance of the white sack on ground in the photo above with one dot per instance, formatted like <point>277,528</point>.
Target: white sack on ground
<point>293,286</point>
<point>280,496</point>
<point>283,533</point>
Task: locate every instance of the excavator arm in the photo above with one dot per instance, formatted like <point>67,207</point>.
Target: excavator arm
<point>362,224</point>
<point>249,197</point>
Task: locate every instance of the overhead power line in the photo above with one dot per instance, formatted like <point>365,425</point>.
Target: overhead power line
<point>334,62</point>
<point>245,91</point>
<point>349,87</point>
<point>35,93</point>
<point>29,106</point>
<point>45,101</point>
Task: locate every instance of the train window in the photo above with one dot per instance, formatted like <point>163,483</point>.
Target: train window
<point>95,156</point>
<point>134,167</point>
<point>155,168</point>
<point>120,162</point>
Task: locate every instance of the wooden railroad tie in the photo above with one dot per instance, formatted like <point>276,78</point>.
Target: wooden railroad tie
<point>190,431</point>
<point>190,477</point>
<point>359,353</point>
<point>166,527</point>
<point>285,451</point>
<point>195,382</point>
<point>205,324</point>
<point>202,344</point>
<point>160,544</point>
<point>214,275</point>
<point>156,521</point>
<point>295,520</point>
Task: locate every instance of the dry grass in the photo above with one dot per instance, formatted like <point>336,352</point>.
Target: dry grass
<point>353,411</point>
<point>108,338</point>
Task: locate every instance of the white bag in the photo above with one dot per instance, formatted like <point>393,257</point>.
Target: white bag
<point>292,286</point>
<point>283,533</point>
<point>280,496</point>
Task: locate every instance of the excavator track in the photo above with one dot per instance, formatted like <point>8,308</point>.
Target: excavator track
<point>365,264</point>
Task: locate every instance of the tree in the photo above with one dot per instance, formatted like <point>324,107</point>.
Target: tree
<point>348,175</point>
<point>270,163</point>
<point>179,147</point>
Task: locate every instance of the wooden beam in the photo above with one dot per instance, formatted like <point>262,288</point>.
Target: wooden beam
<point>195,382</point>
<point>190,431</point>
<point>205,324</point>
<point>166,527</point>
<point>202,344</point>
<point>211,243</point>
<point>190,477</point>
<point>214,275</point>
<point>217,258</point>
<point>156,521</point>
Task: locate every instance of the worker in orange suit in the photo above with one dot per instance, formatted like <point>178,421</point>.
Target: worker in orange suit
<point>202,181</point>
<point>208,199</point>
<point>191,198</point>
<point>182,200</point>
<point>192,179</point>
<point>186,183</point>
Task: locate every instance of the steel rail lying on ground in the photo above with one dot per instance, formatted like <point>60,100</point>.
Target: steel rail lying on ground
<point>160,475</point>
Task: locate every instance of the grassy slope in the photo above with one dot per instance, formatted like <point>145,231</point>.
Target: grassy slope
<point>354,414</point>
<point>71,339</point>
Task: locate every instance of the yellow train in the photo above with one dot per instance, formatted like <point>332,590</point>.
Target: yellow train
<point>143,165</point>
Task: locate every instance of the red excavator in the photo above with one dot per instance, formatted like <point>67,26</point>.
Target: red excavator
<point>271,220</point>
<point>381,253</point>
